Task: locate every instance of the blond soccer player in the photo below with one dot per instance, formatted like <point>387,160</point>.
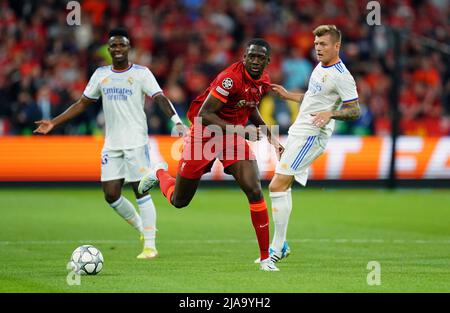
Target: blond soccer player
<point>331,96</point>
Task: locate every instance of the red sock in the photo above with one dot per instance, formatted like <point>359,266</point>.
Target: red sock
<point>260,221</point>
<point>166,183</point>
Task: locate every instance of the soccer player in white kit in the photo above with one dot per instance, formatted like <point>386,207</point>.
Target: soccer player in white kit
<point>125,155</point>
<point>331,96</point>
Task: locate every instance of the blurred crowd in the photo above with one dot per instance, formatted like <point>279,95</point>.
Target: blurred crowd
<point>46,63</point>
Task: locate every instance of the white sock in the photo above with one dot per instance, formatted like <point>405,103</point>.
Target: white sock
<point>148,215</point>
<point>126,209</point>
<point>280,215</point>
<point>289,195</point>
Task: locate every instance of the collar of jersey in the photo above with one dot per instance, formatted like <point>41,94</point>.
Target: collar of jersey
<point>331,64</point>
<point>121,71</point>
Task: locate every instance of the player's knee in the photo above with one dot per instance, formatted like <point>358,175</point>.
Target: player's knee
<point>277,186</point>
<point>139,195</point>
<point>254,194</point>
<point>180,204</point>
<point>112,197</point>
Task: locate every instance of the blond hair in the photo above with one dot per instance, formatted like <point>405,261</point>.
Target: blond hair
<point>334,32</point>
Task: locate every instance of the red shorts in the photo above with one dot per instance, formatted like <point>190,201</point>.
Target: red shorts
<point>200,153</point>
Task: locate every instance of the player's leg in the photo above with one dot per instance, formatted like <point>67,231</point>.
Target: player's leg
<point>180,191</point>
<point>137,162</point>
<point>147,211</point>
<point>112,190</point>
<point>294,164</point>
<point>246,174</point>
<point>280,195</point>
<point>184,191</point>
<point>112,177</point>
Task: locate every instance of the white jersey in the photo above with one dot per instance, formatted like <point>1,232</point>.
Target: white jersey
<point>329,86</point>
<point>123,97</point>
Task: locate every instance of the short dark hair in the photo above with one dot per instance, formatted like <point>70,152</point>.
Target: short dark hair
<point>259,42</point>
<point>118,32</point>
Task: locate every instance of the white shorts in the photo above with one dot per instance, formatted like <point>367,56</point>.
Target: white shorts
<point>299,153</point>
<point>130,164</point>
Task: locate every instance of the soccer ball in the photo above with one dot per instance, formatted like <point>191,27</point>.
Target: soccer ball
<point>86,260</point>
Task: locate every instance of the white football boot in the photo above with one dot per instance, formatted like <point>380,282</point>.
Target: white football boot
<point>268,265</point>
<point>277,256</point>
<point>148,253</point>
<point>150,180</point>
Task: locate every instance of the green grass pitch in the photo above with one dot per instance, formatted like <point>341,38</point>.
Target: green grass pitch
<point>210,246</point>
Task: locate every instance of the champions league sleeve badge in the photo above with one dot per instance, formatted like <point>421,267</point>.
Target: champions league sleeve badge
<point>227,83</point>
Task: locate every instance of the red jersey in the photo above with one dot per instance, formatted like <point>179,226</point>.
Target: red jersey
<point>232,85</point>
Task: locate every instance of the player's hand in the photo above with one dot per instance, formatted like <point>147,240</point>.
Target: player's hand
<point>321,119</point>
<point>181,129</point>
<point>44,127</point>
<point>279,90</point>
<point>247,104</point>
<point>253,133</point>
<point>279,149</point>
<point>250,132</point>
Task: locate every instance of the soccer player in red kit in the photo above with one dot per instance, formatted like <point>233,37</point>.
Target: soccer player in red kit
<point>218,118</point>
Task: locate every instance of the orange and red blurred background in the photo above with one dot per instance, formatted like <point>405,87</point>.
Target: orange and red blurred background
<point>46,64</point>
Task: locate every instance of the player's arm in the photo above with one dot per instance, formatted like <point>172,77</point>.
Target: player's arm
<point>281,92</point>
<point>152,89</point>
<point>208,114</point>
<point>350,111</point>
<point>166,106</point>
<point>258,121</point>
<point>45,126</point>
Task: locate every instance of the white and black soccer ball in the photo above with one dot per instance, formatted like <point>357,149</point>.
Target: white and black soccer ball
<point>86,260</point>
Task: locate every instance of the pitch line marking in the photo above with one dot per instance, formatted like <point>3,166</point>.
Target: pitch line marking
<point>227,241</point>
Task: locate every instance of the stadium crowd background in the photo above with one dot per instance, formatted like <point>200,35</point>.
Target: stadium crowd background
<point>46,63</point>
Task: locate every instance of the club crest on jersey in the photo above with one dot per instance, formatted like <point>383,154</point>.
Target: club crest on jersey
<point>105,81</point>
<point>227,83</point>
<point>324,78</point>
<point>130,80</point>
